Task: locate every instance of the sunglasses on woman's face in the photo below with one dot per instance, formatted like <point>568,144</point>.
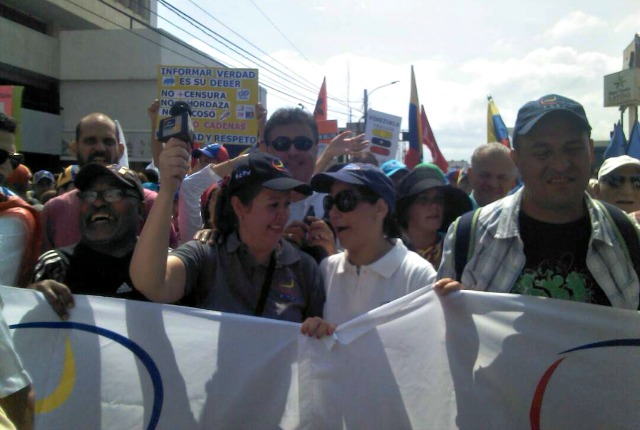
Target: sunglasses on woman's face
<point>15,159</point>
<point>616,181</point>
<point>283,143</point>
<point>345,201</point>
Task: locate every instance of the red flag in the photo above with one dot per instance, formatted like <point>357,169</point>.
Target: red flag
<point>320,112</point>
<point>429,139</point>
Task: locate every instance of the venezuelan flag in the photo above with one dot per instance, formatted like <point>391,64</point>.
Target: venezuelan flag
<point>414,154</point>
<point>496,130</point>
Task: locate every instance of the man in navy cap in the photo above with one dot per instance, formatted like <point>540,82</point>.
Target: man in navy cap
<point>549,238</point>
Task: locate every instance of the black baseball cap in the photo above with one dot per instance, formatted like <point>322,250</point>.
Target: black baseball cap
<point>268,171</point>
<point>126,176</point>
<point>534,111</point>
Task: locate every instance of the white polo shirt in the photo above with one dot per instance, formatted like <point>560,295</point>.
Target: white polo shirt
<point>350,294</point>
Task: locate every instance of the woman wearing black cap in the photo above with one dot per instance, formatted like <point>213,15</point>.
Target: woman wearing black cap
<point>249,270</point>
<point>375,267</point>
<point>427,205</point>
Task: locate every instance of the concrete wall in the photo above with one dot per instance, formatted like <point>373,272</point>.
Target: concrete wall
<point>27,49</point>
<point>115,72</point>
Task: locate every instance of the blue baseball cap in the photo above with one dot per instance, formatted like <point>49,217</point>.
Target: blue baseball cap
<point>43,174</point>
<point>368,175</point>
<point>534,111</point>
<point>392,167</point>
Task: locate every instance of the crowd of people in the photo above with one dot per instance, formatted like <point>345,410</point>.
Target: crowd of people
<point>285,233</point>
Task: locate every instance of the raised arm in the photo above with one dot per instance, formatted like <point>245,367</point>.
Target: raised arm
<point>342,144</point>
<point>161,278</point>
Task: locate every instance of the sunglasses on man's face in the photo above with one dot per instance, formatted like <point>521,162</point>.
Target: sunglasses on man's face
<point>283,143</point>
<point>616,181</point>
<point>345,201</point>
<point>15,159</point>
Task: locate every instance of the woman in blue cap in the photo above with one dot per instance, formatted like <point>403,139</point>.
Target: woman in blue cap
<point>248,269</point>
<point>375,267</point>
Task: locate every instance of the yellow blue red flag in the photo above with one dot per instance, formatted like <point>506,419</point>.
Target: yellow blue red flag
<point>414,154</point>
<point>496,130</point>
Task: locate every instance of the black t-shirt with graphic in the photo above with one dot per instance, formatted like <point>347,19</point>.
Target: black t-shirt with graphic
<point>557,261</point>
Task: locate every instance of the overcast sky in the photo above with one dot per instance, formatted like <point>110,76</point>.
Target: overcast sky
<point>461,51</point>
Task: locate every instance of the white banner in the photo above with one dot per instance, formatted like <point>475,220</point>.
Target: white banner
<point>470,360</point>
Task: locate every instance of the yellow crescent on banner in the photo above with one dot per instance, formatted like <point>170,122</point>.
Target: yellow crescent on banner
<point>67,381</point>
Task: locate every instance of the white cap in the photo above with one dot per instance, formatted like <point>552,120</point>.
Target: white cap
<point>611,164</point>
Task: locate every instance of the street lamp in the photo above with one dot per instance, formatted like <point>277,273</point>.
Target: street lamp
<point>366,99</point>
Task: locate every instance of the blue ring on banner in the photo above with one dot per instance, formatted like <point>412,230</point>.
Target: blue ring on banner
<point>141,354</point>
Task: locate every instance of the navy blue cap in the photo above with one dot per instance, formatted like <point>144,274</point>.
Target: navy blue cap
<point>365,174</point>
<point>268,171</point>
<point>534,111</point>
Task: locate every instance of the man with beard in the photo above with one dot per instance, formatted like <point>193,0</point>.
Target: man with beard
<point>97,141</point>
<point>111,209</point>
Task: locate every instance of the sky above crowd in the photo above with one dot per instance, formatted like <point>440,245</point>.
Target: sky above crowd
<point>461,51</point>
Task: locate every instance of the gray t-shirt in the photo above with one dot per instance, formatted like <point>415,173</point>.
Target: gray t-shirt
<point>226,277</point>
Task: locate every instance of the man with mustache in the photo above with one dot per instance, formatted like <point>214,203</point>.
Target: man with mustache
<point>111,209</point>
<point>97,141</point>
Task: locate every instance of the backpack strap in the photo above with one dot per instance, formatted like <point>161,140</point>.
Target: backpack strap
<point>465,233</point>
<point>626,233</point>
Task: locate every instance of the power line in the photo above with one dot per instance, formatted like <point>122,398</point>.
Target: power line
<point>182,43</point>
<point>304,83</point>
<point>279,31</point>
<point>267,67</point>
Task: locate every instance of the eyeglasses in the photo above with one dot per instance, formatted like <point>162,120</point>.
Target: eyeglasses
<point>345,201</point>
<point>15,159</point>
<point>425,199</point>
<point>109,196</point>
<point>616,181</point>
<point>283,143</point>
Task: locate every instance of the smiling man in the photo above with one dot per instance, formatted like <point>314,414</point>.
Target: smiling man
<point>549,238</point>
<point>111,212</point>
<point>96,141</point>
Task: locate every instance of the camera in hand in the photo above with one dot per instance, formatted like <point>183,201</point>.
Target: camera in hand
<point>178,125</point>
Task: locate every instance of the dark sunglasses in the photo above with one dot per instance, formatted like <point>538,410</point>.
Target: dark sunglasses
<point>283,143</point>
<point>616,181</point>
<point>109,196</point>
<point>15,159</point>
<point>345,201</point>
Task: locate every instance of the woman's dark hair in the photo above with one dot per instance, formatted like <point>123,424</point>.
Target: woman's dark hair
<point>207,222</point>
<point>390,226</point>
<point>225,218</point>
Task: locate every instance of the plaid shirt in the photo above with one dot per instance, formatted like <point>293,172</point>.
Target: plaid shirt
<point>498,254</point>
